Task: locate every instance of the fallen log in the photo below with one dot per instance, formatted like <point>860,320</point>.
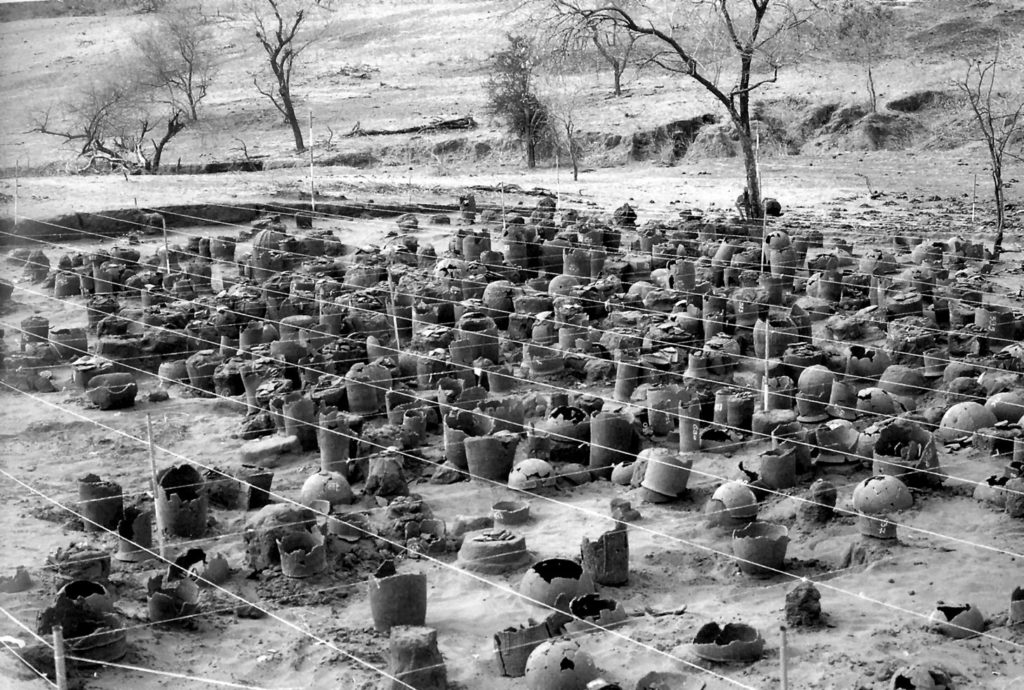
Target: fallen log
<point>459,123</point>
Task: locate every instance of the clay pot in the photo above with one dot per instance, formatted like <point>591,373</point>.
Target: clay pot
<point>732,504</point>
<point>612,440</point>
<point>760,548</point>
<point>112,391</point>
<point>733,643</point>
<point>397,598</point>
<point>880,495</point>
<point>773,337</point>
<point>69,342</point>
<point>493,552</point>
<point>689,426</point>
<point>666,475</point>
<point>777,468</point>
<point>334,441</point>
<point>627,377</point>
<point>180,502</point>
<point>554,580</point>
<point>513,647</point>
<point>171,600</point>
<point>963,419</point>
<point>100,503</point>
<point>303,554</point>
<point>559,665</point>
<point>958,622</point>
<point>135,532</point>
<point>326,486</point>
<point>531,474</point>
<point>490,457</point>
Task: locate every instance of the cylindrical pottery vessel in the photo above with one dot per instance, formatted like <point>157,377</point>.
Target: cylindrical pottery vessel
<point>100,503</point>
<point>180,503</point>
<point>778,468</point>
<point>300,419</point>
<point>760,548</point>
<point>491,457</point>
<point>689,426</point>
<point>612,440</point>
<point>397,599</point>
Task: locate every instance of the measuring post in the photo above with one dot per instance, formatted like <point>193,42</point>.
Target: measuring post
<point>312,195</point>
<point>156,488</point>
<point>784,659</point>
<point>60,669</point>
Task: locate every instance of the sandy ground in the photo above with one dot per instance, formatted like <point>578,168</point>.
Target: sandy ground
<point>877,597</point>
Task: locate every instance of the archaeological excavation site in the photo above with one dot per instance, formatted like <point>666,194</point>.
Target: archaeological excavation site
<point>445,406</point>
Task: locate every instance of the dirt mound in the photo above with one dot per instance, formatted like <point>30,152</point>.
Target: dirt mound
<point>881,132</point>
<point>722,140</point>
<point>667,142</point>
<point>919,100</point>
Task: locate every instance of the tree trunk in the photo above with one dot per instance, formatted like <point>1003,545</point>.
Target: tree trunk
<point>997,182</point>
<point>575,169</point>
<point>617,74</point>
<point>293,120</point>
<point>531,151</point>
<point>753,183</point>
<point>871,91</point>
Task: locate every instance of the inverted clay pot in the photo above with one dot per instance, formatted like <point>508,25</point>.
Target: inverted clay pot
<point>732,505</point>
<point>666,475</point>
<point>550,580</point>
<point>958,622</point>
<point>559,665</point>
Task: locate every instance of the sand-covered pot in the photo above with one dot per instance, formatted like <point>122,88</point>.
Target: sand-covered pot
<point>170,600</point>
<point>958,622</point>
<point>326,486</point>
<point>777,468</point>
<point>112,391</point>
<point>963,419</point>
<point>920,677</point>
<point>1007,406</point>
<point>493,551</point>
<point>397,598</point>
<point>820,503</point>
<point>100,502</point>
<point>559,665</point>
<point>303,554</point>
<point>201,367</point>
<point>732,505</point>
<point>736,642</point>
<point>554,580</point>
<point>135,535</point>
<point>180,502</point>
<point>90,635</point>
<point>760,548</point>
<point>612,439</point>
<point>667,473</point>
<point>71,342</point>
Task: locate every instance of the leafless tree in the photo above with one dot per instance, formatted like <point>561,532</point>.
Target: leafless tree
<point>757,38</point>
<point>284,28</point>
<point>998,115</point>
<point>565,100</point>
<point>178,57</point>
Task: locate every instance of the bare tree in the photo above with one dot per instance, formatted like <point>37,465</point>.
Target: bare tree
<point>864,32</point>
<point>122,122</point>
<point>615,47</point>
<point>284,30</point>
<point>565,100</point>
<point>999,120</point>
<point>177,57</point>
<point>760,38</point>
